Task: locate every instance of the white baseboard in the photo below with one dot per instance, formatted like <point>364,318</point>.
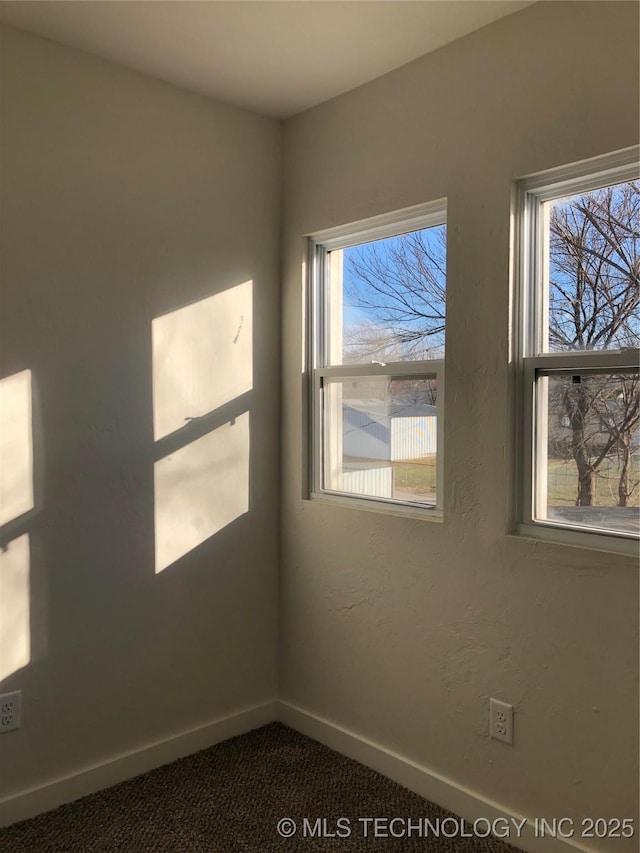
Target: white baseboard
<point>463,802</point>
<point>449,795</point>
<point>29,803</point>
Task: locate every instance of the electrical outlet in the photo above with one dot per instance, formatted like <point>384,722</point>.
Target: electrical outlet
<point>501,721</point>
<point>10,711</point>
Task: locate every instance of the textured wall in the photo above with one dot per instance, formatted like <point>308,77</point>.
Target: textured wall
<point>398,629</point>
<point>125,199</point>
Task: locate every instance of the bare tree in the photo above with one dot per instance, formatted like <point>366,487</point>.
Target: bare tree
<point>594,270</point>
<point>629,401</point>
<point>398,286</point>
<point>594,293</point>
<point>602,414</point>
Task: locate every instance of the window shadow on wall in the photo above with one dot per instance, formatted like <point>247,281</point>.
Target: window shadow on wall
<point>202,379</point>
<point>16,514</point>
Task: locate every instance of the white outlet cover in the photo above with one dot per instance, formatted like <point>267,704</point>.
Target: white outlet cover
<point>501,721</point>
<point>10,711</point>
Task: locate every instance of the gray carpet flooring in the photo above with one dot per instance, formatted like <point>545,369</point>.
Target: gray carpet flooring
<point>230,798</point>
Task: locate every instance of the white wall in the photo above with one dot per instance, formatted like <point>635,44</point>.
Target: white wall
<point>400,630</point>
<point>124,199</point>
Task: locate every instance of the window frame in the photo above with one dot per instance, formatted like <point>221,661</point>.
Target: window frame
<point>319,245</point>
<point>532,362</point>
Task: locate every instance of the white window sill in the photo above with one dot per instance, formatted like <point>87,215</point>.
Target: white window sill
<point>379,506</point>
<point>594,541</point>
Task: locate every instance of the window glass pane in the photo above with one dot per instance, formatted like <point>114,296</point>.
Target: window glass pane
<point>386,299</point>
<point>593,270</point>
<point>381,438</point>
<point>589,426</point>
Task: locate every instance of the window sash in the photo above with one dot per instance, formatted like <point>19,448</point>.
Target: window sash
<point>320,245</point>
<point>532,194</point>
<point>534,472</point>
<point>433,369</point>
<point>530,304</point>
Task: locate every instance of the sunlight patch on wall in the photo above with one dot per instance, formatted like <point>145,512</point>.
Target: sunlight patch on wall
<point>200,489</point>
<point>202,357</point>
<point>15,644</point>
<point>16,446</point>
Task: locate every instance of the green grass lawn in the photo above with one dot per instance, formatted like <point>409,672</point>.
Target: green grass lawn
<point>419,477</point>
<point>562,483</point>
<point>414,475</point>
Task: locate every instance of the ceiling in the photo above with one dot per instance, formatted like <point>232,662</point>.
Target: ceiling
<point>275,57</point>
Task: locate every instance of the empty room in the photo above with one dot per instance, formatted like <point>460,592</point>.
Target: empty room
<point>319,426</point>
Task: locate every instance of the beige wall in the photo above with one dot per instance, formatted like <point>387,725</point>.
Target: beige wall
<point>400,630</point>
<point>124,199</point>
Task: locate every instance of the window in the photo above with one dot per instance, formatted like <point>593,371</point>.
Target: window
<point>579,329</point>
<point>377,353</point>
